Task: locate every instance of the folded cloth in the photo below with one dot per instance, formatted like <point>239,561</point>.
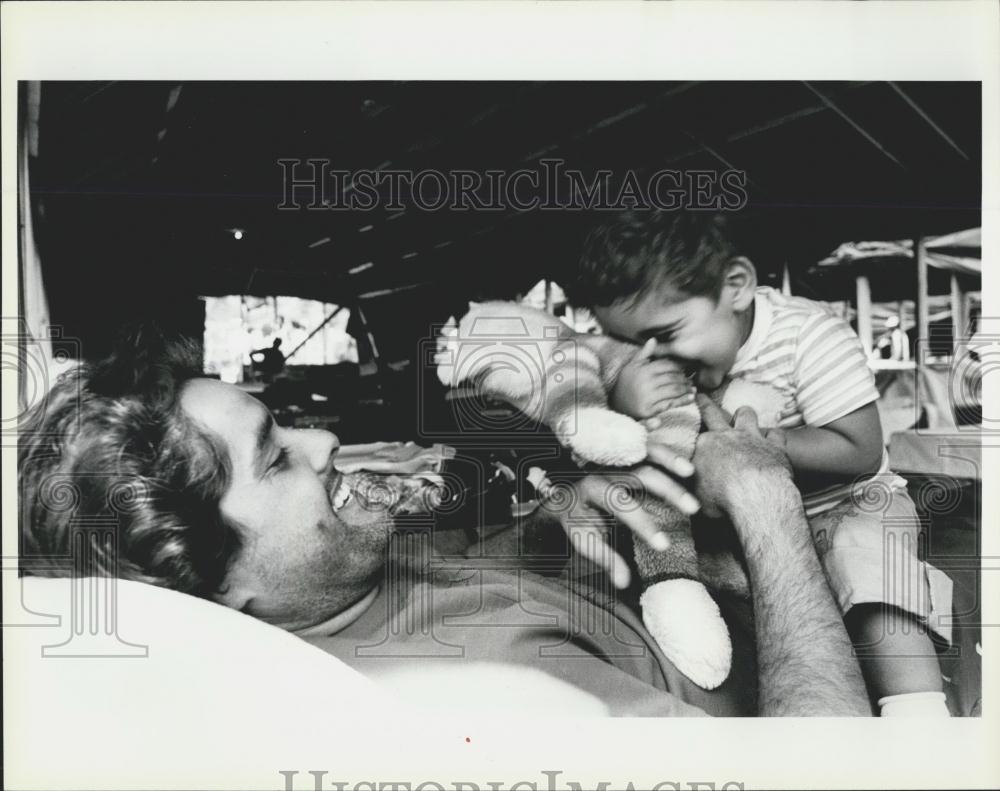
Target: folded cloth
<point>402,458</point>
<point>404,477</point>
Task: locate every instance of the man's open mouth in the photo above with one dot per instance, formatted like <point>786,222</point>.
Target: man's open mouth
<point>372,492</point>
<point>340,492</point>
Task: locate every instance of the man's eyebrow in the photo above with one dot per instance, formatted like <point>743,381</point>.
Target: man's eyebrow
<point>262,435</point>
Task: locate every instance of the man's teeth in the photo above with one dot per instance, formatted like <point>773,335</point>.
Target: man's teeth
<point>342,495</point>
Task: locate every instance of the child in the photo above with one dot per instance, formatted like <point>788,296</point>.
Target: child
<point>674,282</point>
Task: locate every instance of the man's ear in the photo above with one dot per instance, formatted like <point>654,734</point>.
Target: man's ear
<point>740,284</point>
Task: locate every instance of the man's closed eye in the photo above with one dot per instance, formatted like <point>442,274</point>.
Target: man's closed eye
<point>280,462</point>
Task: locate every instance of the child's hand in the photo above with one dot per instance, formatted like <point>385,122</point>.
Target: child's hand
<point>648,386</point>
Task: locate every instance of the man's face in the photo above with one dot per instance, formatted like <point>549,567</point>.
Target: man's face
<point>701,333</point>
<point>309,549</point>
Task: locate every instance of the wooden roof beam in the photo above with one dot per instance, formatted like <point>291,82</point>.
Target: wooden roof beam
<point>930,121</point>
<point>856,126</point>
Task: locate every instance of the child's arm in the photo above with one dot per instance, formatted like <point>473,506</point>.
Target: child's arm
<point>836,395</point>
<point>846,447</point>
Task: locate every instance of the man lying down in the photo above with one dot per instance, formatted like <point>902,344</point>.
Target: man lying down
<point>231,507</point>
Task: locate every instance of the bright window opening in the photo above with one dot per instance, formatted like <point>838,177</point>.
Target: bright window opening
<point>311,333</point>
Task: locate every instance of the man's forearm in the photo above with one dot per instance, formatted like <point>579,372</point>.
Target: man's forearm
<point>805,659</point>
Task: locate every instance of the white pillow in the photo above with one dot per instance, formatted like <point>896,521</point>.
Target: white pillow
<point>172,691</point>
<point>189,692</point>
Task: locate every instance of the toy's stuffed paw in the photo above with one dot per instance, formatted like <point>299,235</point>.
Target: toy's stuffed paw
<point>689,629</point>
<point>602,436</point>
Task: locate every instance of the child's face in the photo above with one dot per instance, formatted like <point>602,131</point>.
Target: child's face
<point>701,333</point>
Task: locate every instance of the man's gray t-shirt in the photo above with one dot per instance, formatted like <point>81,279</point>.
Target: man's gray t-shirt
<point>566,629</point>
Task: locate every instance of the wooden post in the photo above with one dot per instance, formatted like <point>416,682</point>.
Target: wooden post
<point>786,281</point>
<point>368,332</point>
<point>958,314</point>
<point>923,311</point>
<point>904,352</point>
<point>864,299</point>
<point>967,298</point>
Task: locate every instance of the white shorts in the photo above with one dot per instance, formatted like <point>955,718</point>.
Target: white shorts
<point>868,545</point>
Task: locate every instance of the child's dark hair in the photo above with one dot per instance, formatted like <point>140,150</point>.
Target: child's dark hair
<point>637,250</point>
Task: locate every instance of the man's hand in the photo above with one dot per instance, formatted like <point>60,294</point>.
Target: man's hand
<point>648,385</point>
<point>579,508</point>
<point>731,459</point>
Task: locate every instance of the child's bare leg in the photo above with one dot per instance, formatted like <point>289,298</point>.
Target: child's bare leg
<point>896,655</point>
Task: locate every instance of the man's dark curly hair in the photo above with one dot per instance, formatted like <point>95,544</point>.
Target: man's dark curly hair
<point>636,251</point>
<point>109,446</point>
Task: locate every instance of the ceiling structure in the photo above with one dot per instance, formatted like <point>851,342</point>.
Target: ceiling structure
<point>138,187</point>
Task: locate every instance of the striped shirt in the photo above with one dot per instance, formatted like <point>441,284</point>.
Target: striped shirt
<point>816,361</point>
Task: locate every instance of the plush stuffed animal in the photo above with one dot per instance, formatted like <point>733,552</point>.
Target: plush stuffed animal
<point>561,378</point>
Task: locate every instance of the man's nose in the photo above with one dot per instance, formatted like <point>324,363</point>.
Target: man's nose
<point>317,446</point>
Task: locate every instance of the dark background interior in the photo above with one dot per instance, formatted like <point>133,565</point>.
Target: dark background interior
<point>135,185</point>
